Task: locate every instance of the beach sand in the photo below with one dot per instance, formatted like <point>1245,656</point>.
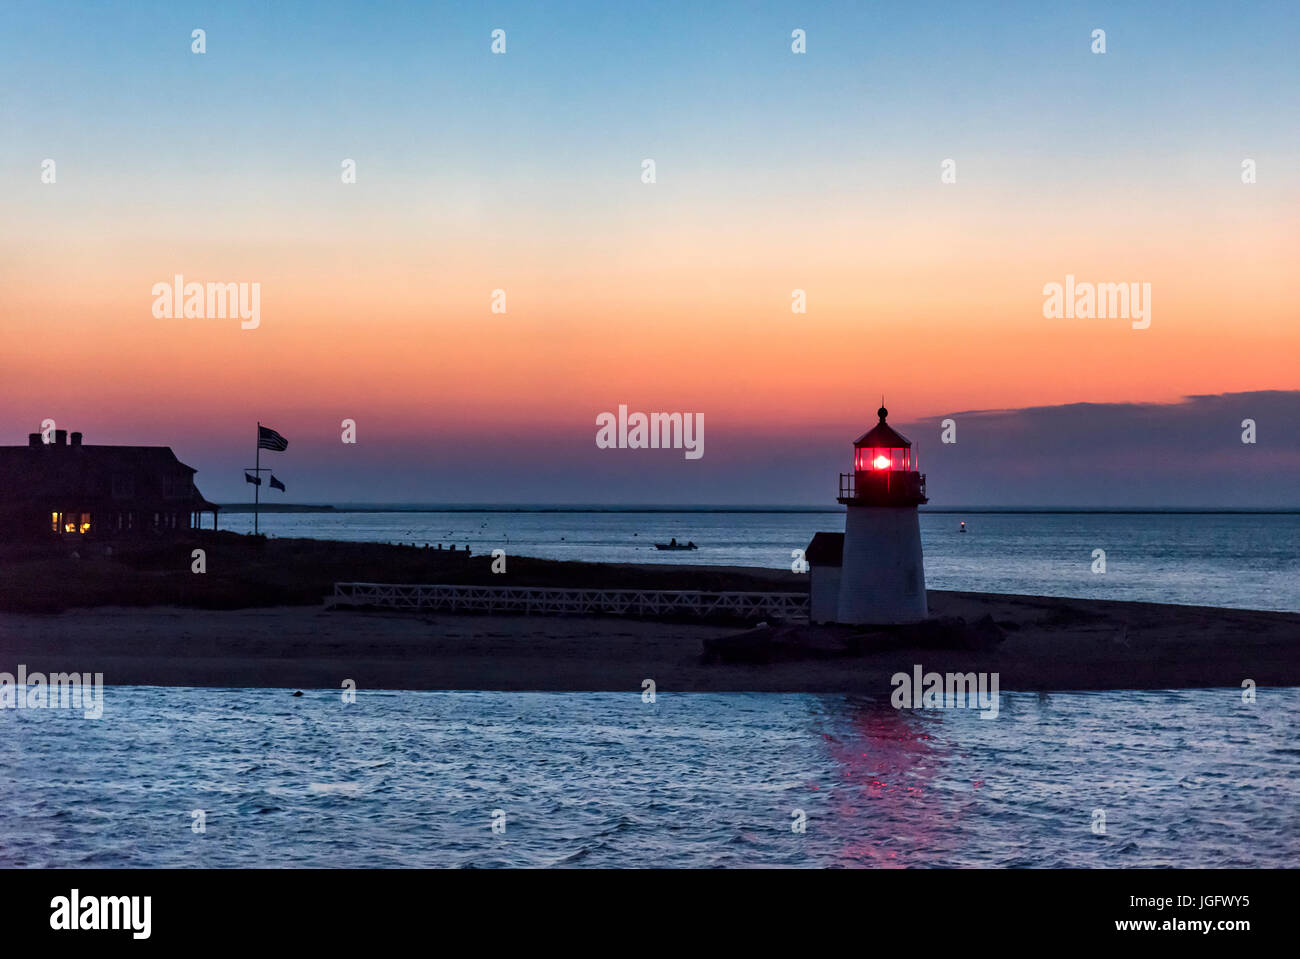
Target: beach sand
<point>1051,644</point>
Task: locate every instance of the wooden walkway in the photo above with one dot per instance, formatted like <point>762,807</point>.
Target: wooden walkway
<point>549,601</point>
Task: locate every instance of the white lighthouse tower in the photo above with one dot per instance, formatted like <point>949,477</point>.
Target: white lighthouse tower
<point>882,575</point>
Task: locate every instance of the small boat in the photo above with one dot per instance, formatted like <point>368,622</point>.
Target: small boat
<point>673,544</point>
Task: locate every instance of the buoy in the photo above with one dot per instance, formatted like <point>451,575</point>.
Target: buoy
<point>298,693</point>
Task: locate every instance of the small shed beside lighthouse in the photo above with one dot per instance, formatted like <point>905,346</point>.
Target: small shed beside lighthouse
<point>824,559</point>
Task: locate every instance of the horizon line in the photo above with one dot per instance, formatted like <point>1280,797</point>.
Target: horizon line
<point>348,507</point>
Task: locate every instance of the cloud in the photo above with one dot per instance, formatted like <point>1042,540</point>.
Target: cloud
<point>1181,454</point>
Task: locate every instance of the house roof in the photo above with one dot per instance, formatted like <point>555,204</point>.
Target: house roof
<point>826,549</point>
<point>87,473</point>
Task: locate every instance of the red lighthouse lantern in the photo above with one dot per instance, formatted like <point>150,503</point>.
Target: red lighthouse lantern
<point>884,470</point>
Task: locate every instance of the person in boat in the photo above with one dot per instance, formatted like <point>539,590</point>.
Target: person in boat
<point>690,544</point>
<point>673,541</point>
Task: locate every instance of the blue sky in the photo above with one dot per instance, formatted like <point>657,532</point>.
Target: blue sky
<point>775,171</point>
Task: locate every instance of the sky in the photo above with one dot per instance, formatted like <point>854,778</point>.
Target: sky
<point>774,172</point>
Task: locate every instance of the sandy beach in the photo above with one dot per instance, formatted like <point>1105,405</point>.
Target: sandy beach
<point>1051,644</point>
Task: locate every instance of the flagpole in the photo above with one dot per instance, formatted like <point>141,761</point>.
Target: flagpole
<point>257,471</point>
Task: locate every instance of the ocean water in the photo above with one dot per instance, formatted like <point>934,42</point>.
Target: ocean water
<point>1242,560</point>
<point>1188,778</point>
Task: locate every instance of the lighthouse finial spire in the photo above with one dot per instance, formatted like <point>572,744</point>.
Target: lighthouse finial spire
<point>882,412</point>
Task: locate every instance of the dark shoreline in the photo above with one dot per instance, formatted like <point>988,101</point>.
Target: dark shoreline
<point>256,619</point>
<point>244,572</point>
<point>1051,645</point>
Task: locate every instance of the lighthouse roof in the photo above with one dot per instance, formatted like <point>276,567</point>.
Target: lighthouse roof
<point>882,434</point>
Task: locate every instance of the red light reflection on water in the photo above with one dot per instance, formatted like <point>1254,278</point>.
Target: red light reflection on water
<point>882,806</point>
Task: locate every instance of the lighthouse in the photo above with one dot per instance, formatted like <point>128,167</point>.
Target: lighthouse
<point>882,574</point>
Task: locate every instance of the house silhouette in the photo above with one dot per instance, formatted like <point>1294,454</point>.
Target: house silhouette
<point>69,489</point>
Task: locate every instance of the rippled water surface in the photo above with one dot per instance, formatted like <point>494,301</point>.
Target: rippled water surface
<point>1189,778</point>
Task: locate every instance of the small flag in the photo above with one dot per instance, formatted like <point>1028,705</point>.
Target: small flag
<point>268,439</point>
<point>255,480</point>
<point>276,484</point>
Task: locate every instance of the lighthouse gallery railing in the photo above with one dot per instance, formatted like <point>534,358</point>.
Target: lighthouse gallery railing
<point>889,482</point>
<point>544,600</point>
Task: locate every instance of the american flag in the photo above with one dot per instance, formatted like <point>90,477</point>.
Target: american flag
<point>269,439</point>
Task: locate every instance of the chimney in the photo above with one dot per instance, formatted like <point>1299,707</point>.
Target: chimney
<point>34,439</point>
<point>76,439</point>
<point>60,437</point>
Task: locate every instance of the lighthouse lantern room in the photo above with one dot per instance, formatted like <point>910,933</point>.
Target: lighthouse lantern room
<point>882,575</point>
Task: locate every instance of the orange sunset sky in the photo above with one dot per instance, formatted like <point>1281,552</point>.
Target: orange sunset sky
<point>523,173</point>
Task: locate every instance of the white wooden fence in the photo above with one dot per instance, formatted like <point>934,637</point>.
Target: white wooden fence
<point>550,601</point>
